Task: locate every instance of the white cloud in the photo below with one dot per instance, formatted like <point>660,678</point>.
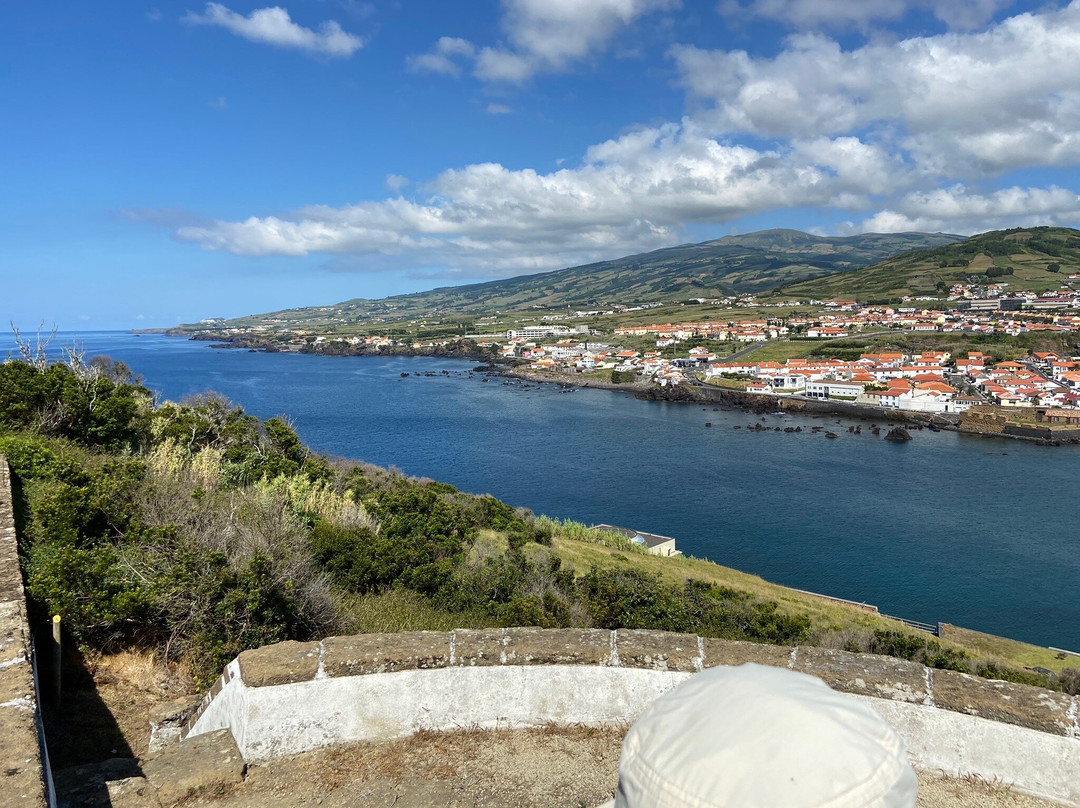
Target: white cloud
<point>632,193</point>
<point>543,36</point>
<point>273,26</point>
<point>965,104</point>
<point>498,109</point>
<point>220,103</point>
<point>906,128</point>
<point>396,182</point>
<point>959,210</point>
<point>815,14</point>
<point>441,58</point>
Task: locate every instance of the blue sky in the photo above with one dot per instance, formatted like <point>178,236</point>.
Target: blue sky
<point>172,161</point>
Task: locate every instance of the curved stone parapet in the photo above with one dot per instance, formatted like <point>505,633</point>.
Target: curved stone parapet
<point>292,697</point>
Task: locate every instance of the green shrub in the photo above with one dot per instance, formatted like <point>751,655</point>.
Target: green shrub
<point>92,591</point>
<point>929,652</point>
<point>991,670</point>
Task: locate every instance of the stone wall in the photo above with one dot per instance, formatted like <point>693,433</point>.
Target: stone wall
<point>291,697</point>
<point>992,420</point>
<point>23,776</point>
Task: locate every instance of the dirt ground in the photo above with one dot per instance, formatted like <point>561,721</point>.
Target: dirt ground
<point>565,766</point>
<point>105,708</point>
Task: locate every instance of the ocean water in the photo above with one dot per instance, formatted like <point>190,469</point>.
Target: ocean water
<point>972,531</point>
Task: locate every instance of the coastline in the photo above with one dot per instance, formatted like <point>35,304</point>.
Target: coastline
<point>756,403</point>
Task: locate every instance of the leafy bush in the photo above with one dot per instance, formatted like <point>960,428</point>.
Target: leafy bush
<point>1068,681</point>
<point>918,649</point>
<point>991,670</point>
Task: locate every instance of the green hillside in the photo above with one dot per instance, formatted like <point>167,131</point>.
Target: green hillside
<point>753,262</point>
<point>1037,259</point>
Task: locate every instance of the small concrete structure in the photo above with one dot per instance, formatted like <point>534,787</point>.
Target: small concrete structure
<point>292,697</point>
<point>653,542</point>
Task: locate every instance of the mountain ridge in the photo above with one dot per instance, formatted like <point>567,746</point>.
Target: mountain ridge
<point>748,263</point>
<point>1023,258</point>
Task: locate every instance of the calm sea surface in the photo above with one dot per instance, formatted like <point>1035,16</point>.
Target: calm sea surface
<point>978,532</point>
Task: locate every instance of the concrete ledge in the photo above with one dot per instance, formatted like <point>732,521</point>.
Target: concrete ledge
<point>385,653</point>
<point>292,697</point>
<point>280,664</point>
<point>1023,706</point>
<point>865,674</point>
<point>270,722</point>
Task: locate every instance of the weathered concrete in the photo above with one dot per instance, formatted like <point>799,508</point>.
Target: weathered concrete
<point>732,652</point>
<point>658,650</point>
<point>280,664</point>
<point>91,785</point>
<point>1024,706</point>
<point>865,674</point>
<point>205,764</point>
<point>23,768</point>
<point>288,719</point>
<point>167,722</point>
<point>471,647</point>
<point>560,646</point>
<point>385,653</point>
<point>132,792</point>
<point>1031,762</point>
<point>383,686</point>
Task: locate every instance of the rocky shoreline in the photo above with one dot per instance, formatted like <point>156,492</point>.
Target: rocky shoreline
<point>646,390</point>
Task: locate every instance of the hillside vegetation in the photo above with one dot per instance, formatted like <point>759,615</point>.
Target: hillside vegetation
<point>1034,258</point>
<point>753,262</point>
<point>198,531</point>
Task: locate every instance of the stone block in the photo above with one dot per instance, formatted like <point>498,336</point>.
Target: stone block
<point>865,674</point>
<point>736,652</point>
<point>17,682</point>
<point>167,721</point>
<point>657,650</point>
<point>560,646</point>
<point>203,764</point>
<point>132,792</point>
<point>474,647</point>
<point>87,786</point>
<point>385,653</point>
<point>1010,703</point>
<point>281,664</point>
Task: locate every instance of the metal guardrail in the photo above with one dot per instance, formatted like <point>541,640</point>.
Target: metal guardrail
<point>930,628</point>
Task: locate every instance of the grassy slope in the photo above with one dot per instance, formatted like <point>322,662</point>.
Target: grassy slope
<point>1028,252</point>
<point>827,616</point>
<point>754,262</point>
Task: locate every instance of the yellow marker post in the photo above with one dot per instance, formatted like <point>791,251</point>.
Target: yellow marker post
<point>56,658</point>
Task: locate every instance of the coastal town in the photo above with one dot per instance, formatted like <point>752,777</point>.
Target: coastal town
<point>777,348</point>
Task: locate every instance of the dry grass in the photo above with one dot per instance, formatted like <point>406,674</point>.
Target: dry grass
<point>730,384</point>
<point>401,610</point>
<point>107,699</point>
<point>1001,648</point>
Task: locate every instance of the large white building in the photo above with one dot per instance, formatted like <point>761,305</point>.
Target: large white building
<point>538,331</point>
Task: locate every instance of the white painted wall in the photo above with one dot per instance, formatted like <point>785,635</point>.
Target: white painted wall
<point>270,722</point>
